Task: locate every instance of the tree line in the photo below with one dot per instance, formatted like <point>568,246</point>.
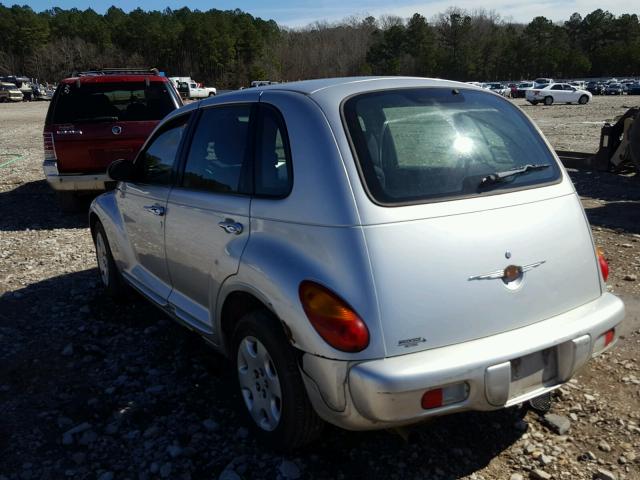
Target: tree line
<point>228,49</point>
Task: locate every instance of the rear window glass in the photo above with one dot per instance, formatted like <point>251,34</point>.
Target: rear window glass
<point>118,101</point>
<point>417,145</point>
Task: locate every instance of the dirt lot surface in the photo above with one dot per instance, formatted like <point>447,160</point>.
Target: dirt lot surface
<point>93,390</point>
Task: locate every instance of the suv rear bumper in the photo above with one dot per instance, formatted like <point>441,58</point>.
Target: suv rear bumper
<point>71,181</point>
<point>495,372</point>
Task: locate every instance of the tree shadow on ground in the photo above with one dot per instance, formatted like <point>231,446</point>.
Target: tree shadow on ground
<point>131,367</point>
<point>610,200</point>
<point>33,206</point>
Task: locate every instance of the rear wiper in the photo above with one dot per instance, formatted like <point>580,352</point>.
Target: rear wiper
<point>95,119</point>
<point>498,177</point>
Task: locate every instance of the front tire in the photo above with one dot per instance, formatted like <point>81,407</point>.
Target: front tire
<point>548,100</point>
<point>270,383</point>
<point>107,269</point>
<point>583,100</point>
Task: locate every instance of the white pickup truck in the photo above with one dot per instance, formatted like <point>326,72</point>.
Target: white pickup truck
<point>192,90</point>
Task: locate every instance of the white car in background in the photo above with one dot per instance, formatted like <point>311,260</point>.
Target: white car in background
<point>558,93</point>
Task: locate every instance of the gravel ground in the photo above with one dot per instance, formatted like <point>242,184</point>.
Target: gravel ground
<point>89,389</point>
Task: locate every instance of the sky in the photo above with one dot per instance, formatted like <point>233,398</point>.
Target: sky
<point>303,12</point>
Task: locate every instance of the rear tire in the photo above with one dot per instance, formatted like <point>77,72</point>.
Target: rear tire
<point>271,387</point>
<point>548,100</point>
<point>107,269</point>
<point>583,100</point>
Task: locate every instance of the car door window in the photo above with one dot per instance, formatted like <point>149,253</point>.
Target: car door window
<point>155,164</point>
<point>217,156</point>
<point>273,170</point>
<point>556,87</point>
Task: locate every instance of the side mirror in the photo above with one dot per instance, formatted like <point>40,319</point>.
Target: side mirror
<point>121,170</point>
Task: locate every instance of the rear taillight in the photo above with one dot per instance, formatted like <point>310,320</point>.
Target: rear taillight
<point>49,147</point>
<point>604,266</point>
<point>334,320</point>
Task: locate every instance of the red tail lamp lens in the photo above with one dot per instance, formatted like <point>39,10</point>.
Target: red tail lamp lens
<point>604,266</point>
<point>334,320</point>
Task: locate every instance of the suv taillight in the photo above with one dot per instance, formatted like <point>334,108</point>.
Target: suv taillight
<point>49,147</point>
<point>604,266</point>
<point>336,322</point>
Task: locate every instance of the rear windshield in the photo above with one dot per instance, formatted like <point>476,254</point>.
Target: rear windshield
<point>428,144</point>
<point>118,101</point>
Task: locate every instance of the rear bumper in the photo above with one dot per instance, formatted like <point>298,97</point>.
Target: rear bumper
<point>387,392</point>
<point>74,182</point>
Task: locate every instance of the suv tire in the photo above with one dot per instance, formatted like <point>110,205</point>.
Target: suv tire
<point>270,383</point>
<point>107,270</point>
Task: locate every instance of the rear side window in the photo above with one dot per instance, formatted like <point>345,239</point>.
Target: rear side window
<point>273,170</point>
<point>429,144</point>
<point>218,154</point>
<point>117,101</point>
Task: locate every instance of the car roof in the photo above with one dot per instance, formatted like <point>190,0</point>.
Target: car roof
<point>114,78</point>
<point>346,86</point>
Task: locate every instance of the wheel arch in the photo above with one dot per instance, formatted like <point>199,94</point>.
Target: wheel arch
<point>237,303</point>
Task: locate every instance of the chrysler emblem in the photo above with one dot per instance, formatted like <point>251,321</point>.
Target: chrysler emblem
<point>116,129</point>
<point>510,274</point>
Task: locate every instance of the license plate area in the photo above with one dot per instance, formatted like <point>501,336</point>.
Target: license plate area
<point>533,371</point>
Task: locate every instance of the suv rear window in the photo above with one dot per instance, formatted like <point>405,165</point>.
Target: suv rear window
<point>430,144</point>
<point>117,101</point>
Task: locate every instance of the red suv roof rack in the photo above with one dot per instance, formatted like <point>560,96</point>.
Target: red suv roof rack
<point>117,71</point>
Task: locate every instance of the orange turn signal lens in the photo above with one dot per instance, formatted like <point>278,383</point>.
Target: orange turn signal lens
<point>334,320</point>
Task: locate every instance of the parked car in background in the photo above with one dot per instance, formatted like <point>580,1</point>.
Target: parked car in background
<point>542,82</point>
<point>372,252</point>
<point>614,89</point>
<point>10,93</point>
<point>193,90</point>
<point>498,88</point>
<point>579,84</point>
<point>634,89</point>
<point>595,88</point>
<point>521,91</point>
<point>95,118</point>
<point>558,93</point>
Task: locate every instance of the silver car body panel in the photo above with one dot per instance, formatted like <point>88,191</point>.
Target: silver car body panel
<point>405,270</point>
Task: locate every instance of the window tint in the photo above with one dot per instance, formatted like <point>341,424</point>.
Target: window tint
<point>217,156</point>
<point>414,145</point>
<point>118,101</point>
<point>155,164</point>
<point>273,158</point>
<point>556,87</point>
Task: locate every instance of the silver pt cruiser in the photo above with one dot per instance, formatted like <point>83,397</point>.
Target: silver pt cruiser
<point>369,252</point>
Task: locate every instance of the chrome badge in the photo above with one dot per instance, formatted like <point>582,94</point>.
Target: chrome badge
<point>116,129</point>
<point>510,274</point>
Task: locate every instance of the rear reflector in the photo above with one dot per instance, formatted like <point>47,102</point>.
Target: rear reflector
<point>441,397</point>
<point>608,337</point>
<point>49,147</point>
<point>604,341</point>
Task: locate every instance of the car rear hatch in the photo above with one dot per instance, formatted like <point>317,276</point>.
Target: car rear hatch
<point>92,122</point>
<point>462,246</point>
<point>444,280</point>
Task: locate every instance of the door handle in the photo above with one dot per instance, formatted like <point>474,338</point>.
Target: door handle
<point>231,226</point>
<point>155,209</point>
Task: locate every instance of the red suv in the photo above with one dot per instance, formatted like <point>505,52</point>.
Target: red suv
<point>95,118</point>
